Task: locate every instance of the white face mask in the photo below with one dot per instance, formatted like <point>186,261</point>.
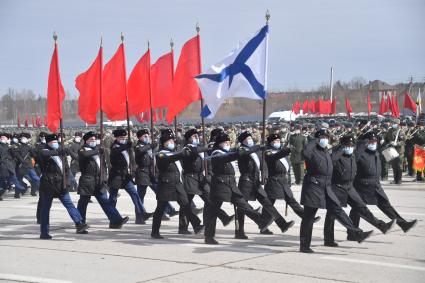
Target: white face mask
<point>348,150</point>
<point>372,146</point>
<point>195,141</point>
<point>146,140</point>
<point>43,140</point>
<point>171,146</point>
<point>323,143</point>
<point>15,140</point>
<point>122,141</point>
<point>92,144</point>
<point>24,140</point>
<point>226,147</point>
<point>77,139</point>
<point>54,145</point>
<point>276,145</point>
<point>297,131</point>
<point>249,142</point>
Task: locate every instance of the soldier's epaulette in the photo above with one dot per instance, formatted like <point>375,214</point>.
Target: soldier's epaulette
<point>269,152</point>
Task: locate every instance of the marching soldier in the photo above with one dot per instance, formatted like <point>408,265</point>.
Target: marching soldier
<point>145,171</point>
<point>92,181</point>
<point>317,192</point>
<point>52,186</point>
<point>74,148</point>
<point>24,155</point>
<point>368,185</point>
<point>344,171</point>
<point>277,186</point>
<point>224,188</point>
<point>120,176</point>
<point>170,185</point>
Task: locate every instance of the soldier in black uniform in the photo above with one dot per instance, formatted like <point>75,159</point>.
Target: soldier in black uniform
<point>92,182</point>
<point>317,191</point>
<point>368,185</point>
<point>52,186</point>
<point>24,155</point>
<point>74,148</point>
<point>121,175</point>
<point>8,175</point>
<point>251,187</point>
<point>224,188</point>
<point>277,185</point>
<point>170,186</point>
<point>145,171</point>
<point>194,179</point>
<point>344,171</point>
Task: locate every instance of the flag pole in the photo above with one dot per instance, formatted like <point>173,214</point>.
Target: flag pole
<point>172,78</point>
<point>62,145</point>
<point>126,103</point>
<point>263,134</point>
<point>101,111</point>
<point>204,141</point>
<point>150,90</point>
<point>331,83</point>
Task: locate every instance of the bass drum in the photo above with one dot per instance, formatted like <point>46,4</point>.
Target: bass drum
<point>390,153</point>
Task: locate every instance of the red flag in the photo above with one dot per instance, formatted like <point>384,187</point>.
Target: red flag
<point>161,113</point>
<point>114,86</point>
<point>139,88</point>
<point>418,158</point>
<point>333,106</point>
<point>369,104</point>
<point>395,106</point>
<point>389,103</point>
<point>162,73</point>
<point>382,106</point>
<point>89,86</point>
<point>55,94</point>
<point>327,106</point>
<point>312,106</point>
<point>296,107</point>
<point>348,107</point>
<point>408,102</point>
<point>305,107</point>
<point>185,89</point>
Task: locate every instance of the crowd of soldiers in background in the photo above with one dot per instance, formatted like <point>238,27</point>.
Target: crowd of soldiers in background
<point>24,148</point>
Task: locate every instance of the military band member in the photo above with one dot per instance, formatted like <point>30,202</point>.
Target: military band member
<point>395,138</point>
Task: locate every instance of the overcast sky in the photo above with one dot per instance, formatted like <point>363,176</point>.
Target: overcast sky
<point>375,39</point>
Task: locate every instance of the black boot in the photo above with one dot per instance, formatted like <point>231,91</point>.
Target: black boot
<point>267,232</point>
<point>210,241</point>
<point>286,226</point>
<point>406,226</point>
<point>119,224</point>
<point>240,235</point>
<point>385,227</point>
<point>228,220</point>
<point>139,219</point>
<point>81,228</point>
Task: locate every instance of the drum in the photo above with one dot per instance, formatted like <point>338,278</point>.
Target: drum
<point>390,153</point>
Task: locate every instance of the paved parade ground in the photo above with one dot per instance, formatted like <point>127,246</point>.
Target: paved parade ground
<point>130,255</point>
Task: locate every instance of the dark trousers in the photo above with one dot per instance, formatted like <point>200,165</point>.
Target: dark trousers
<point>108,208</point>
<point>271,212</point>
<point>396,164</point>
<point>409,158</point>
<point>131,189</point>
<point>141,190</point>
<point>292,202</point>
<point>385,206</point>
<point>239,202</point>
<point>360,208</point>
<point>298,169</point>
<point>221,214</point>
<point>307,221</point>
<point>185,211</point>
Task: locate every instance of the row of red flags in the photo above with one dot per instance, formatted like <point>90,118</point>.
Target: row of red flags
<point>388,104</point>
<point>36,121</point>
<point>148,87</point>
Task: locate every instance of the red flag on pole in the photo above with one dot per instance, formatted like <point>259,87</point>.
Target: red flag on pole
<point>114,86</point>
<point>139,86</point>
<point>89,86</point>
<point>162,80</point>
<point>305,107</point>
<point>383,105</point>
<point>333,106</point>
<point>55,93</point>
<point>312,106</point>
<point>408,102</point>
<point>185,89</point>
<point>395,105</point>
<point>296,107</point>
<point>369,104</point>
<point>348,107</point>
<point>389,104</point>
